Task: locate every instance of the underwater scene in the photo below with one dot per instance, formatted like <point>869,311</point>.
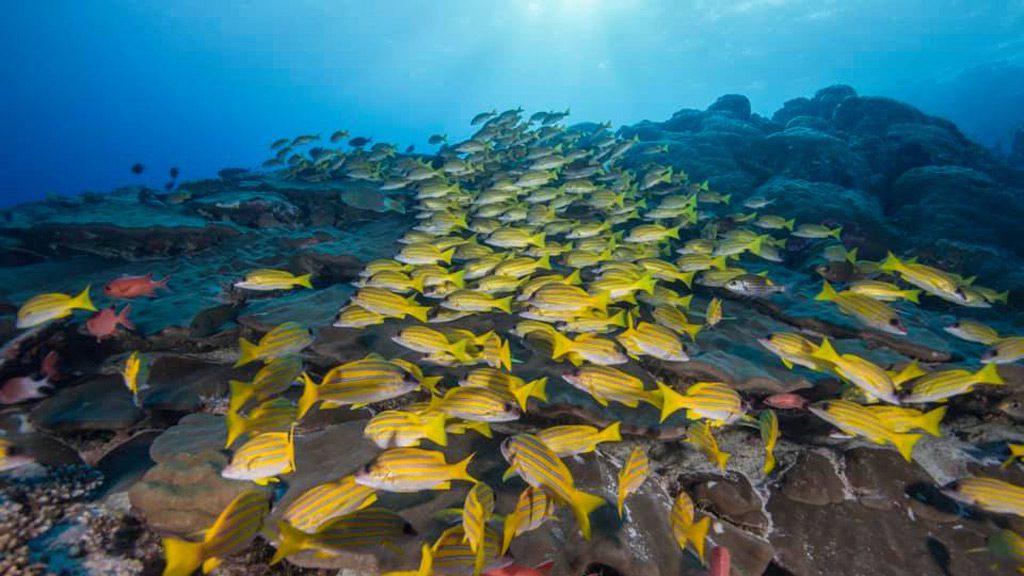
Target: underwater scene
<point>496,309</point>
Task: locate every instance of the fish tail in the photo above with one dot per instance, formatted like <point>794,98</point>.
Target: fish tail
<point>505,355</point>
<point>788,224</point>
<point>692,330</point>
<point>930,421</point>
<point>446,256</point>
<point>292,540</point>
<point>621,498</point>
<point>671,401</point>
<point>610,434</point>
<point>504,304</point>
<point>697,533</point>
<point>458,278</point>
<point>686,278</point>
<point>123,317</point>
<point>248,352</point>
<point>1003,296</point>
<point>290,447</point>
<point>508,531</point>
<point>304,280</point>
<point>310,395</point>
<point>601,300</point>
<point>460,469</point>
<point>989,374</point>
<point>673,232</point>
<point>562,345</point>
<point>433,428</point>
<point>912,295</point>
<point>891,263</point>
<point>828,293</point>
<point>417,284</point>
<point>538,239</point>
<point>618,319</point>
<point>235,424</point>
<point>905,444</point>
<point>426,565</point>
<point>83,301</point>
<point>544,263</point>
<point>182,557</point>
<point>458,350</point>
<point>573,279</point>
<point>647,283</point>
<point>851,255</point>
<point>825,351</point>
<point>418,312</point>
<point>769,462</point>
<point>582,505</point>
<point>238,396</point>
<point>721,459</point>
<point>836,233</point>
<point>538,388</point>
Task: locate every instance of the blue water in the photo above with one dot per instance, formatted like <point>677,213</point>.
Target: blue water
<point>91,88</point>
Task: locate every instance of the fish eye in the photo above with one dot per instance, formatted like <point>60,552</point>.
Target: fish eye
<point>408,530</point>
<point>367,469</point>
<point>510,407</point>
<point>954,325</point>
<point>894,321</point>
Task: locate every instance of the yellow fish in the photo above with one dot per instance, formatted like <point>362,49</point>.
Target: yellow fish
<point>476,511</point>
<point>265,279</point>
<point>397,428</point>
<point>769,425</point>
<point>230,534</point>
<point>324,502</point>
<point>989,494</point>
<point>535,505</point>
<point>46,307</point>
<point>634,472</point>
<point>684,529</point>
<point>287,338</point>
<point>365,529</point>
<point>714,401</point>
<point>135,373</point>
<point>698,434</point>
<point>856,420</point>
<point>570,440</point>
<point>263,457</point>
<point>412,470</point>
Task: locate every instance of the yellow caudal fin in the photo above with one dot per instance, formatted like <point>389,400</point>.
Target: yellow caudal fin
<point>291,540</point>
<point>989,375</point>
<point>851,255</point>
<point>600,301</point>
<point>671,401</point>
<point>618,319</point>
<point>696,534</point>
<point>434,428</point>
<point>418,284</point>
<point>905,444</point>
<point>582,505</point>
<point>911,295</point>
<point>719,262</point>
<point>504,304</point>
<point>908,373</point>
<point>930,421</point>
<point>692,330</point>
<point>304,280</point>
<point>508,531</point>
<point>457,278</point>
<point>248,352</point>
<point>290,449</point>
<point>240,394</point>
<point>788,224</point>
<point>446,256</point>
<point>891,263</point>
<point>686,278</point>
<point>646,284</point>
<point>522,394</point>
<point>505,356</point>
<point>236,426</point>
<point>610,434</point>
<point>544,263</point>
<point>418,312</point>
<point>538,239</point>
<point>310,395</point>
<point>769,463</point>
<point>183,558</point>
<point>561,345</point>
<point>573,279</point>
<point>825,351</point>
<point>458,350</point>
<point>828,293</point>
<point>460,470</point>
<point>426,565</point>
<point>836,233</point>
<point>82,301</point>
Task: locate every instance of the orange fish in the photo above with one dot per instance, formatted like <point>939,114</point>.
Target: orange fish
<point>786,401</point>
<point>514,569</point>
<point>135,286</point>
<point>104,323</point>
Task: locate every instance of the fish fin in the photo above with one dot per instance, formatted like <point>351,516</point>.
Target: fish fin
<point>434,428</point>
<point>618,319</point>
<point>458,350</point>
<point>457,278</point>
<point>825,351</point>
<point>538,239</point>
<point>544,263</point>
<point>506,354</point>
<point>769,462</point>
<point>123,317</point>
<point>561,345</point>
<point>610,434</point>
<point>930,420</point>
<point>905,444</point>
<point>248,352</point>
<point>446,256</point>
<point>538,388</point>
<point>697,533</point>
<point>836,233</point>
<point>504,304</point>
<point>290,447</point>
<point>582,504</point>
<point>82,301</point>
<point>426,565</point>
<point>599,399</point>
<point>183,557</point>
<point>912,295</point>
<point>310,395</point>
<point>460,469</point>
<point>419,312</point>
<point>304,280</point>
<point>417,284</point>
<point>989,374</point>
<point>211,564</point>
<point>828,293</point>
<point>671,401</point>
<point>890,264</point>
<point>292,540</point>
<point>601,300</point>
<point>787,363</point>
<point>788,224</point>
<point>573,279</point>
<point>235,425</point>
<point>509,473</point>
<point>646,283</point>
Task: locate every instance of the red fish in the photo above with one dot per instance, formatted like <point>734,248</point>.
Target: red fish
<point>22,388</point>
<point>786,401</point>
<point>48,367</point>
<point>719,565</point>
<point>104,323</point>
<point>514,569</point>
<point>135,286</point>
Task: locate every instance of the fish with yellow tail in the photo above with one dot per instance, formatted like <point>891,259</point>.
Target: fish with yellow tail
<point>713,314</point>
<point>53,306</point>
<point>358,383</point>
<point>686,529</point>
<point>944,384</point>
<point>856,420</point>
<point>571,440</point>
<point>389,304</point>
<point>535,505</point>
<point>794,349</point>
<point>1004,351</point>
<point>539,467</point>
<point>587,348</point>
<point>973,331</point>
<point>900,419</point>
<point>699,435</point>
<point>476,511</point>
<point>1016,453</point>
<point>275,415</point>
<point>282,340</point>
<point>412,470</point>
<point>265,280</point>
<point>478,404</point>
<point>230,534</point>
<point>263,457</point>
<point>606,384</point>
<point>365,529</point>
<point>634,472</point>
<point>989,494</point>
<point>768,423</point>
<point>426,567</point>
<point>474,301</point>
<point>869,311</point>
<point>500,381</point>
<point>400,429</point>
<point>872,379</point>
<point>714,401</point>
<point>430,341</point>
<point>324,502</point>
<point>273,378</point>
<point>135,375</point>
